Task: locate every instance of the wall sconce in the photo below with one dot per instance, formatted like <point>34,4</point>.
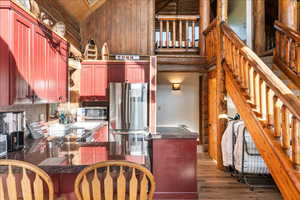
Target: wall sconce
<point>176,86</point>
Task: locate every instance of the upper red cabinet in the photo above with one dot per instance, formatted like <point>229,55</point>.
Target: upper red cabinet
<point>93,81</point>
<point>34,57</point>
<point>97,74</point>
<point>129,71</point>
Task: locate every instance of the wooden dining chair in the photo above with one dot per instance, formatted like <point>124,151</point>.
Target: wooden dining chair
<point>22,180</point>
<point>115,180</point>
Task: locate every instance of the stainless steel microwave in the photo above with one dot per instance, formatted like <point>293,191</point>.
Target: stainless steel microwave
<point>95,113</point>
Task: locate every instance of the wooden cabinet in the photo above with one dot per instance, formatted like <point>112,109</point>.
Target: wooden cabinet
<point>137,73</point>
<point>33,57</point>
<point>93,83</point>
<point>20,61</point>
<point>132,72</point>
<point>96,76</point>
<point>176,178</point>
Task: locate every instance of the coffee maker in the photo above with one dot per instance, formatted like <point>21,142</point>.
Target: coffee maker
<point>12,126</point>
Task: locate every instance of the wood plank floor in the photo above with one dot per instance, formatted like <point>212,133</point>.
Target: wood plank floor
<point>214,184</point>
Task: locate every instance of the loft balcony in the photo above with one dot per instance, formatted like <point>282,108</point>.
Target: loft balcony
<point>177,34</point>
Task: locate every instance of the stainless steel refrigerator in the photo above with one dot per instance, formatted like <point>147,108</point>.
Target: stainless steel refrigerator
<point>128,107</point>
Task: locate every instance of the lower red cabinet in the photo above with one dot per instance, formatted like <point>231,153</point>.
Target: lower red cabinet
<point>93,82</point>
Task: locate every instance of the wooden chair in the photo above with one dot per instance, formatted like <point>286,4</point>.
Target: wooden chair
<point>115,180</point>
<point>27,177</point>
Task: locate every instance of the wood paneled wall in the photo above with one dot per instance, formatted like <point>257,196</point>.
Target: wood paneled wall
<point>126,26</point>
<point>58,13</point>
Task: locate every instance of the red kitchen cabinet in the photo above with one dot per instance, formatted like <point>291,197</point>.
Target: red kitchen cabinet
<point>132,72</point>
<point>33,66</point>
<point>93,83</point>
<point>20,60</point>
<point>137,73</point>
<point>116,73</point>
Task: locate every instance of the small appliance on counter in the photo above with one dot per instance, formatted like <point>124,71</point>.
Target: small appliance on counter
<point>12,126</point>
<point>92,113</point>
<point>3,146</point>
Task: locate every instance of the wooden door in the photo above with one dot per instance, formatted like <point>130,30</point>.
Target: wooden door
<point>41,62</point>
<point>137,73</point>
<point>116,73</point>
<point>86,82</point>
<point>212,112</point>
<point>63,72</point>
<point>21,60</point>
<point>52,71</point>
<point>100,82</point>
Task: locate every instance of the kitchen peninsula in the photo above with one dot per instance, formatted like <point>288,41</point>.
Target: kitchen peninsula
<point>166,153</point>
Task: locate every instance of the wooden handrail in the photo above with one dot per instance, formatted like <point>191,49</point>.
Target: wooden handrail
<point>211,36</point>
<point>287,51</point>
<point>177,33</point>
<point>211,26</point>
<point>288,31</point>
<point>279,88</point>
<point>178,17</point>
<point>271,111</point>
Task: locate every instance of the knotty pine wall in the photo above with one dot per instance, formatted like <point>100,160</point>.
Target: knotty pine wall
<point>126,25</point>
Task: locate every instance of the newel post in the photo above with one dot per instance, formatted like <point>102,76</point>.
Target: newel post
<point>259,26</point>
<point>204,11</point>
<point>288,13</point>
<point>221,105</point>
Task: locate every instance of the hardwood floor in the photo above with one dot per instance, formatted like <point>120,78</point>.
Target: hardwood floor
<point>214,184</point>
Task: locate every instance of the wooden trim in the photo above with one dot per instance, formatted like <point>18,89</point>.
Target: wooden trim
<point>178,17</point>
<point>211,26</point>
<point>288,31</point>
<point>176,50</point>
<point>281,168</point>
<point>279,88</point>
<point>287,71</point>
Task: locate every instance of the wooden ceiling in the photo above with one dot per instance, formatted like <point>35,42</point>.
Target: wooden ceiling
<point>80,9</point>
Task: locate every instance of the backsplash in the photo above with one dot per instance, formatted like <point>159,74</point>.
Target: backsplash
<point>32,111</point>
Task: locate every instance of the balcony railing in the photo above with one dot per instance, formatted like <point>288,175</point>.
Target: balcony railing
<point>287,51</point>
<point>177,33</point>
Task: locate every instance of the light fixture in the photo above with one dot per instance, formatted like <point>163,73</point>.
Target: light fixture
<point>176,86</point>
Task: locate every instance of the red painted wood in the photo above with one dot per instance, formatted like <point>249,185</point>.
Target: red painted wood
<point>20,61</point>
<point>93,154</point>
<point>176,178</point>
<point>137,73</point>
<point>37,62</point>
<point>4,58</point>
<point>116,73</point>
<point>93,84</point>
<point>101,135</point>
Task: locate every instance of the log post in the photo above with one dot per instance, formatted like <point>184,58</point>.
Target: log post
<point>204,10</point>
<point>259,26</point>
<point>288,13</point>
<point>221,104</point>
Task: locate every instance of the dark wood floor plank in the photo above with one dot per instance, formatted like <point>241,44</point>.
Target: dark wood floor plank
<point>214,184</point>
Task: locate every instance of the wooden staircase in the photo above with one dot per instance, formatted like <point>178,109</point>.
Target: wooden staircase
<point>270,110</point>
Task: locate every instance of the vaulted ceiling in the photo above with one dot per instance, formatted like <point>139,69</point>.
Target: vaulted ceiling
<point>80,9</point>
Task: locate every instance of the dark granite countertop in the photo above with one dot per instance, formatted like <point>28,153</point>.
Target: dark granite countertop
<point>69,155</point>
<point>174,133</point>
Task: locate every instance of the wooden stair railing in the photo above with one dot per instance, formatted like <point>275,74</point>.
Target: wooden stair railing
<point>177,33</point>
<point>287,51</point>
<point>269,108</point>
<point>211,36</point>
